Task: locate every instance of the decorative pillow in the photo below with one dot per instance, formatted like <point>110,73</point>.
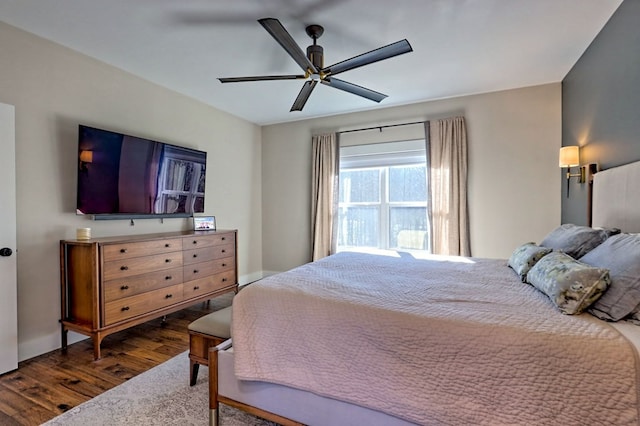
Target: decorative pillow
<point>525,256</point>
<point>609,231</point>
<point>576,240</point>
<point>621,255</point>
<point>571,285</point>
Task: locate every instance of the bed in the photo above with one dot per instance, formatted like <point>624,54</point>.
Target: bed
<point>399,338</point>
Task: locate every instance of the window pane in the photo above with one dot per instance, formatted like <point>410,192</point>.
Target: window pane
<point>358,226</point>
<point>408,228</point>
<point>360,186</point>
<point>408,183</point>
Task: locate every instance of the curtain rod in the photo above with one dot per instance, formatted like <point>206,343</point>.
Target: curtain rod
<point>381,127</point>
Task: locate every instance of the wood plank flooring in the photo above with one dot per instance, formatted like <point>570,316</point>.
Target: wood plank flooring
<point>48,385</point>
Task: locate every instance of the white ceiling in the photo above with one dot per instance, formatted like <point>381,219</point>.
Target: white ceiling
<point>460,47</point>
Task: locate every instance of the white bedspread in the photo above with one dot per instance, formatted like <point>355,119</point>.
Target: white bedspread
<point>440,341</point>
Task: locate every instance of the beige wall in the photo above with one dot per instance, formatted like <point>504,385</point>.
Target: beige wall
<point>54,89</point>
<point>514,179</point>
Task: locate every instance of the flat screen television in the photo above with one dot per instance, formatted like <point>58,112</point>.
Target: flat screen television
<point>123,176</point>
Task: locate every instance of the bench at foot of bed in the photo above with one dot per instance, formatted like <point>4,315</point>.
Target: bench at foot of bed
<point>204,333</point>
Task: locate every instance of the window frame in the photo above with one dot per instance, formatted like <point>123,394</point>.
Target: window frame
<point>383,157</point>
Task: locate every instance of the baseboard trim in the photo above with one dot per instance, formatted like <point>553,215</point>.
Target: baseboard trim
<point>249,278</point>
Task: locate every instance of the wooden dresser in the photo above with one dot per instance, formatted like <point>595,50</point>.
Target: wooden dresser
<point>110,284</point>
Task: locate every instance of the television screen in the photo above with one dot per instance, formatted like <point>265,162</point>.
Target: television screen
<point>129,176</point>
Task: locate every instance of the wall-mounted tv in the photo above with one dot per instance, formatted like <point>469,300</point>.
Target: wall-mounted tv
<point>122,176</point>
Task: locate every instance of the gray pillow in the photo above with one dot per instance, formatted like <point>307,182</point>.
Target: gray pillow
<point>571,285</point>
<point>575,240</point>
<point>621,255</point>
<point>524,257</point>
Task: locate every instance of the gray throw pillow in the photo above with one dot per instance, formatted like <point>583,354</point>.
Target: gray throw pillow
<point>576,240</point>
<point>621,255</point>
<point>570,284</point>
<point>524,257</point>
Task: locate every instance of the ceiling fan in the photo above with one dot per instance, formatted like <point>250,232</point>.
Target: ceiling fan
<point>313,67</point>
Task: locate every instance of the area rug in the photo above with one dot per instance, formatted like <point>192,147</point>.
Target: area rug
<point>160,396</point>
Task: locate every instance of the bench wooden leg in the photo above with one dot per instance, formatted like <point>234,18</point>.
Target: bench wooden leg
<point>193,370</point>
<point>199,345</point>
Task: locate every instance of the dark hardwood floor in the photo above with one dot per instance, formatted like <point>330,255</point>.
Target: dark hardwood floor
<point>48,385</point>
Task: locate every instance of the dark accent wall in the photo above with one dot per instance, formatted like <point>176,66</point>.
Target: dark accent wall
<point>601,104</point>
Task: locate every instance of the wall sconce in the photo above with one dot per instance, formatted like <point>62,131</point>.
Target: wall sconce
<point>570,157</point>
<point>86,157</point>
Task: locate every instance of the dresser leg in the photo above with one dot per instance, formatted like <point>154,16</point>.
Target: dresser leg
<point>97,340</point>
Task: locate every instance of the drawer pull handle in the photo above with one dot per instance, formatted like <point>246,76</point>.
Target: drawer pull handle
<point>224,264</point>
<point>123,250</point>
<point>169,296</point>
<point>125,308</point>
<point>195,242</point>
<point>167,245</point>
<point>195,255</point>
<point>224,238</point>
<point>196,288</point>
<point>167,260</point>
<point>124,287</point>
<point>224,251</point>
<point>124,268</point>
<point>195,271</point>
<point>224,280</point>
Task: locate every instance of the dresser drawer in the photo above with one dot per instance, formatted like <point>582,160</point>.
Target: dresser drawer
<point>141,265</point>
<point>130,286</point>
<point>198,241</point>
<point>203,269</point>
<point>207,253</point>
<point>209,284</point>
<point>129,307</point>
<point>125,250</point>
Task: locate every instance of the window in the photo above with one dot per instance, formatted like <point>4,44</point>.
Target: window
<point>383,197</point>
<point>181,183</point>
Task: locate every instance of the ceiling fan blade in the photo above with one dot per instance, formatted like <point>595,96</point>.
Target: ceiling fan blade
<point>354,88</point>
<point>277,31</point>
<point>385,52</point>
<point>304,94</point>
<point>260,78</point>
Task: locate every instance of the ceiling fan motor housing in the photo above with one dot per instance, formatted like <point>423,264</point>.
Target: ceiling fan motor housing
<point>315,54</point>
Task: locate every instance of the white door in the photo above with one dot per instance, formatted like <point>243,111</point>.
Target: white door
<point>8,264</point>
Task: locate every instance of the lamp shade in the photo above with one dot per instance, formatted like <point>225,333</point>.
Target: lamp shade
<point>569,156</point>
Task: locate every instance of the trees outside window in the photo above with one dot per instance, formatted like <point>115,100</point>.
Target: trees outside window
<point>383,207</point>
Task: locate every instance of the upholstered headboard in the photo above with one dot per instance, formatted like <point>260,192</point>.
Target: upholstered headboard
<point>616,198</point>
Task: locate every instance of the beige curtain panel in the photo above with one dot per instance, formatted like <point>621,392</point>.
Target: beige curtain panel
<point>324,194</point>
<point>447,162</point>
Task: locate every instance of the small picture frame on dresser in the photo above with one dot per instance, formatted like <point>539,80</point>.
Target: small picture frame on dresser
<point>204,223</point>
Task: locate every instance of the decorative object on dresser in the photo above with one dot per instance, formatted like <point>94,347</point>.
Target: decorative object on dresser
<point>113,283</point>
<point>204,223</point>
